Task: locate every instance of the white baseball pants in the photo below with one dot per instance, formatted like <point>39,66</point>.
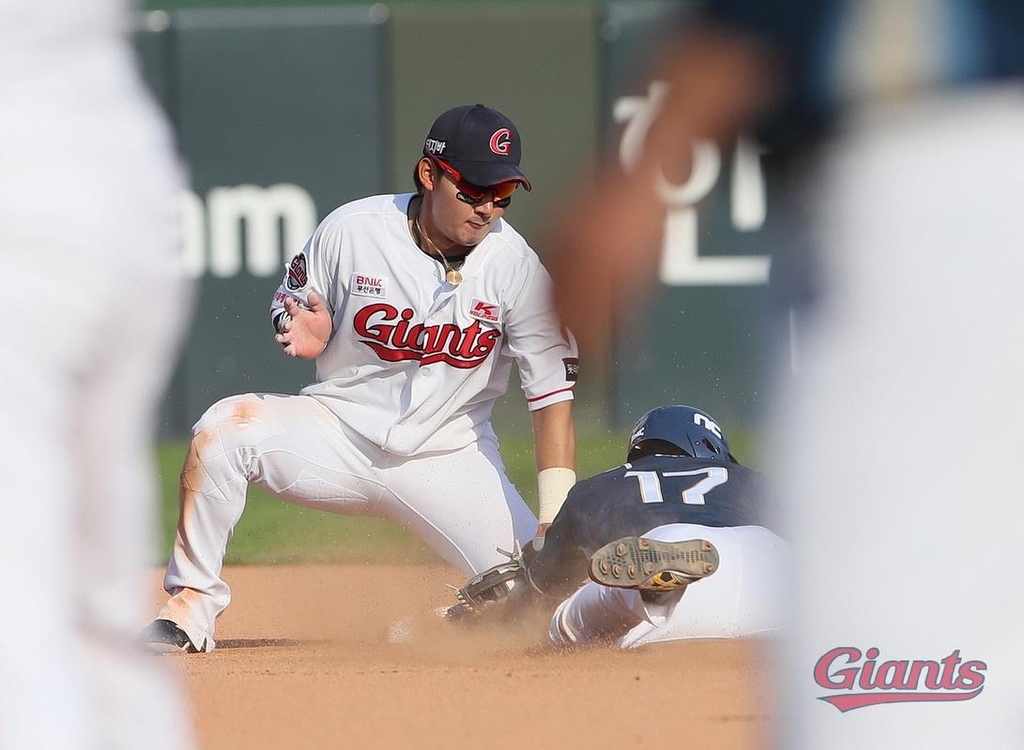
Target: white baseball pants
<point>461,504</point>
<point>95,305</point>
<point>903,430</point>
<point>744,597</point>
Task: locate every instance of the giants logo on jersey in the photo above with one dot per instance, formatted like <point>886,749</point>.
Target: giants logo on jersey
<point>391,336</point>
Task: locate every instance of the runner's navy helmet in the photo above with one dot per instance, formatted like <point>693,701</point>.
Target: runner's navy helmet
<point>678,430</point>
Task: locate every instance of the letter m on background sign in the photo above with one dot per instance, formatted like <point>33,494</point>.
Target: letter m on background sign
<point>265,225</point>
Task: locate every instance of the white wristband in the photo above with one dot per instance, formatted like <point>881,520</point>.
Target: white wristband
<point>552,486</point>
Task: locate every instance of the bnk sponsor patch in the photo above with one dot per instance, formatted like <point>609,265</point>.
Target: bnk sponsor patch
<point>363,285</point>
<point>483,310</point>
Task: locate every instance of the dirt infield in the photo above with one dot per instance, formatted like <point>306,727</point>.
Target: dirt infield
<point>304,660</point>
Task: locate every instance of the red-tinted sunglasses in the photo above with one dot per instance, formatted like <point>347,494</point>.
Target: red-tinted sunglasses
<point>474,195</point>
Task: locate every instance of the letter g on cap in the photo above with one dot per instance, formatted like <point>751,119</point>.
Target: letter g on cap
<point>501,141</point>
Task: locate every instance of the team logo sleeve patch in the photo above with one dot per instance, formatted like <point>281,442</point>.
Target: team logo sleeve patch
<point>363,285</point>
<point>484,310</point>
<point>297,276</point>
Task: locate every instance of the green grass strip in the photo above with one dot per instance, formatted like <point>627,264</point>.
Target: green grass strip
<point>274,532</point>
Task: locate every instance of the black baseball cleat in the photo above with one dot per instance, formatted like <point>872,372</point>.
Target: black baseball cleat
<point>648,565</point>
<point>165,637</point>
<point>458,612</point>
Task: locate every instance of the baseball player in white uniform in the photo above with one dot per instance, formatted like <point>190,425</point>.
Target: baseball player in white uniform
<point>97,301</point>
<point>415,307</point>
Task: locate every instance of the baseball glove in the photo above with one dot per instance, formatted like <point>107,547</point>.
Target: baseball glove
<point>495,583</point>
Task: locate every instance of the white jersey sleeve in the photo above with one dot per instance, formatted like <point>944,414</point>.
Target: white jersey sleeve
<point>544,350</point>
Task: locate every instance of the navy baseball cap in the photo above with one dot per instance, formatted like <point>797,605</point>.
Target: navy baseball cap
<point>481,143</point>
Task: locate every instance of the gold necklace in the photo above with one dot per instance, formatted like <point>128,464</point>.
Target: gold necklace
<point>452,276</point>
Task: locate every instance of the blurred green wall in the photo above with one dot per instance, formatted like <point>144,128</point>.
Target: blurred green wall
<point>281,115</point>
<point>535,63</point>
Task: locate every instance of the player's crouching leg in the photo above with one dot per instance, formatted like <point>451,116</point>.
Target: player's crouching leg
<point>214,479</point>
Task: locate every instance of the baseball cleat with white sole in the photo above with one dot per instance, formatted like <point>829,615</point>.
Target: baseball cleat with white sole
<point>165,637</point>
<point>649,565</point>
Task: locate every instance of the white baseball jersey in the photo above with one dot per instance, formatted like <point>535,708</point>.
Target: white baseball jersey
<point>415,363</point>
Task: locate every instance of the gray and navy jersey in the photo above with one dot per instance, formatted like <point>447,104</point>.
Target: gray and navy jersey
<point>636,497</point>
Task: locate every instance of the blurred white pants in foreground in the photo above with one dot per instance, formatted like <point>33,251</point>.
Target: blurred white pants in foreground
<point>902,435</point>
<point>94,305</point>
